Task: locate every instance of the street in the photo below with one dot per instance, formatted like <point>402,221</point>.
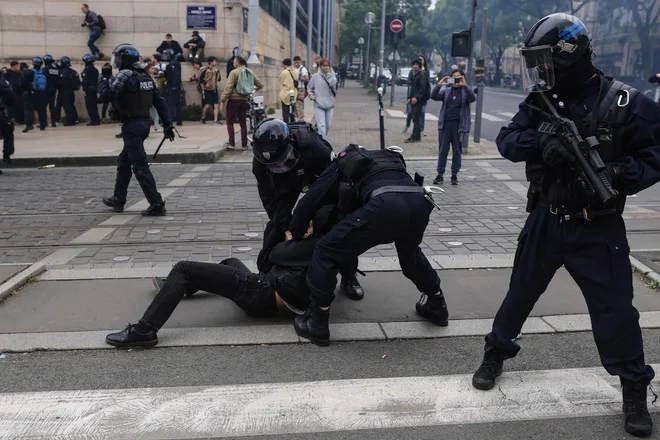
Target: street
<point>500,105</point>
<point>217,373</point>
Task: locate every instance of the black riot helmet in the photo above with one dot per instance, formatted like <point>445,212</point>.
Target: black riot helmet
<point>58,64</point>
<point>272,146</point>
<point>38,62</point>
<point>168,55</point>
<point>124,56</point>
<point>66,62</point>
<point>106,70</point>
<point>48,58</point>
<point>555,44</point>
<point>89,59</point>
<point>158,57</point>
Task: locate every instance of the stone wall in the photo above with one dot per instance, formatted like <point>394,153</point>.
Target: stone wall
<point>34,27</point>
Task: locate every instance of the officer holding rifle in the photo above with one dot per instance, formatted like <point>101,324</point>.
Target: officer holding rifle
<point>587,142</point>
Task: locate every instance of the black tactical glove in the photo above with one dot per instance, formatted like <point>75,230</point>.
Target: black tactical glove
<point>613,172</point>
<point>168,132</point>
<point>555,153</point>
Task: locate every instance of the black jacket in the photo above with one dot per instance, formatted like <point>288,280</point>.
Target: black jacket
<point>201,44</point>
<point>14,79</point>
<point>90,78</point>
<point>420,87</point>
<point>175,46</point>
<point>173,75</point>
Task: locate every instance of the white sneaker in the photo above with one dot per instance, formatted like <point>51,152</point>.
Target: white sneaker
<point>158,130</point>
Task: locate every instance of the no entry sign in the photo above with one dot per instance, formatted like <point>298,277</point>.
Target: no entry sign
<point>396,26</point>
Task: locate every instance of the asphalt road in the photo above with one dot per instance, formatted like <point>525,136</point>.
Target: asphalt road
<point>499,107</point>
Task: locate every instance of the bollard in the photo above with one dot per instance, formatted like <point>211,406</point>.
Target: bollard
<point>381,118</point>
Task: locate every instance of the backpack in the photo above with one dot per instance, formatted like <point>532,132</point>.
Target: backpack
<point>200,80</point>
<point>39,80</point>
<point>101,23</point>
<point>245,82</point>
<point>295,81</point>
<point>75,80</point>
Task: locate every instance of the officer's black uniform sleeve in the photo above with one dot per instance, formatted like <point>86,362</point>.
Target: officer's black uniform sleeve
<point>104,91</point>
<point>8,95</point>
<point>161,106</point>
<point>519,141</point>
<point>640,169</point>
<point>324,191</point>
<point>28,77</point>
<point>85,78</point>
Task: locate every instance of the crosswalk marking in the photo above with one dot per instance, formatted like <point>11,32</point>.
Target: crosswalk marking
<point>290,408</point>
<point>398,114</point>
<point>507,114</point>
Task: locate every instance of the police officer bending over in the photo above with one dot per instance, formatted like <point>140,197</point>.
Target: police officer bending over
<point>567,226</point>
<point>287,160</point>
<point>382,204</point>
<point>133,93</point>
<point>260,295</point>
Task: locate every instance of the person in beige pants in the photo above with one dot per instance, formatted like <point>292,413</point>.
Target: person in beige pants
<point>303,78</point>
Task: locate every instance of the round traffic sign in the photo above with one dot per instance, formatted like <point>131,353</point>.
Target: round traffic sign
<point>396,26</point>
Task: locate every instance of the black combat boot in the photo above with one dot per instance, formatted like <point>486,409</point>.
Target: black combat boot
<point>351,286</point>
<point>433,308</point>
<point>148,185</point>
<point>638,420</point>
<point>134,335</point>
<point>491,368</point>
<point>114,203</point>
<point>454,179</point>
<point>313,325</point>
<point>155,210</point>
<point>439,179</point>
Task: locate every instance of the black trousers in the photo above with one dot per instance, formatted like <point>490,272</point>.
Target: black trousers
<point>91,104</point>
<point>134,158</point>
<point>596,255</point>
<point>231,279</point>
<point>104,109</point>
<point>51,96</point>
<point>174,104</point>
<point>406,214</point>
<point>36,101</point>
<point>416,118</point>
<point>7,131</point>
<point>69,105</point>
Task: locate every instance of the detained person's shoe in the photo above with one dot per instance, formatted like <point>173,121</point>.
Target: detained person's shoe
<point>313,325</point>
<point>638,420</point>
<point>130,337</point>
<point>439,180</point>
<point>155,210</point>
<point>454,179</point>
<point>490,369</point>
<point>433,308</point>
<point>114,203</point>
<point>351,286</point>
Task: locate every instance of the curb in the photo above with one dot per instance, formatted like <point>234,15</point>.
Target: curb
<point>644,270</point>
<point>19,280</point>
<point>91,161</point>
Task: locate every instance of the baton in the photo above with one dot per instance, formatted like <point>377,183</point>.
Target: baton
<point>163,141</point>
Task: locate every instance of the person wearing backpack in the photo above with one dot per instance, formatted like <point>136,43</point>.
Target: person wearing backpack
<point>90,86</point>
<point>69,83</point>
<point>322,91</point>
<point>240,84</point>
<point>208,81</point>
<point>34,82</point>
<point>96,25</point>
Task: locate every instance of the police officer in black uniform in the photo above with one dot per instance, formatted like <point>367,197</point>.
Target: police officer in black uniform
<point>381,204</point>
<point>106,82</point>
<point>90,86</point>
<point>35,83</point>
<point>566,226</point>
<point>52,80</point>
<point>133,93</point>
<point>287,160</point>
<point>67,87</point>
<point>174,84</point>
<point>7,101</point>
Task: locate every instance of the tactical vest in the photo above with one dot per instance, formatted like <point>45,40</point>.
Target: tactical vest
<point>612,117</point>
<point>135,104</point>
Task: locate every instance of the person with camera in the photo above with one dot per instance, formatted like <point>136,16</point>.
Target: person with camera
<point>95,26</point>
<point>454,121</point>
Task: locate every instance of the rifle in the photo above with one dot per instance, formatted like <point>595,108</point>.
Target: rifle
<point>164,139</point>
<point>588,164</point>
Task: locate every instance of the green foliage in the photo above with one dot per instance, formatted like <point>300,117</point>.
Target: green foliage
<point>192,112</point>
<point>271,111</point>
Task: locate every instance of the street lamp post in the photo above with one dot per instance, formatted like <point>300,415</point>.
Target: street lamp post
<point>361,44</point>
<point>381,60</point>
<point>369,19</point>
<point>253,60</point>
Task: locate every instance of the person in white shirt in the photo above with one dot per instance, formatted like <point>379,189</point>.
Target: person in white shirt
<point>303,79</point>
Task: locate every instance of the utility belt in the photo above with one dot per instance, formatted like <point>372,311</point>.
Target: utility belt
<point>573,214</point>
<point>395,189</point>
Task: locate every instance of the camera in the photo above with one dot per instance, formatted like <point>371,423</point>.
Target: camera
<point>455,80</point>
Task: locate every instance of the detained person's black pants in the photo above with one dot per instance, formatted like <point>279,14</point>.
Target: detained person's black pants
<point>231,278</point>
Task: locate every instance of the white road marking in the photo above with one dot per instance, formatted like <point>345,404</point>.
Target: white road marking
<point>94,235</point>
<point>492,118</point>
<point>117,220</point>
<point>396,113</point>
<point>144,204</point>
<point>309,407</point>
<point>179,182</point>
<point>507,114</point>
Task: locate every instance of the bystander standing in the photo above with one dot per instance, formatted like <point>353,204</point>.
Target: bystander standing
<point>323,91</point>
<point>303,80</point>
<point>288,84</point>
<point>209,81</point>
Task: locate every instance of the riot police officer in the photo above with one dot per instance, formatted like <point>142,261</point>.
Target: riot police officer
<point>7,100</point>
<point>287,160</point>
<point>52,80</point>
<point>34,82</point>
<point>106,81</point>
<point>381,204</point>
<point>567,225</point>
<point>133,93</point>
<point>68,84</point>
<point>174,84</point>
<point>90,86</point>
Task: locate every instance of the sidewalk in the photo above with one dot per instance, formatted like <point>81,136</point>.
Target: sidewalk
<point>95,146</point>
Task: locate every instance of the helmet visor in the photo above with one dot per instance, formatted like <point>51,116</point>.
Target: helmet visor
<point>115,60</point>
<point>285,165</point>
<point>538,73</point>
